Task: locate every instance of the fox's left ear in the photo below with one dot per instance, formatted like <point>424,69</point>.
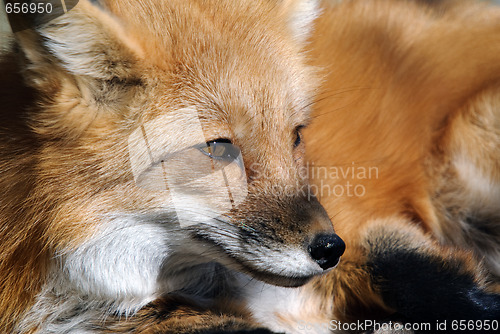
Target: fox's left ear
<point>301,14</point>
<point>87,47</point>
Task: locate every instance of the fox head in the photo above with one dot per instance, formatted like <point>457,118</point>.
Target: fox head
<point>169,134</point>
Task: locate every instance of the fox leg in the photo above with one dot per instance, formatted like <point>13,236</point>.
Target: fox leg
<point>393,271</point>
<point>424,281</point>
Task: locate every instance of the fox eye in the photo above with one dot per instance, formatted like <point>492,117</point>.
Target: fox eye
<point>298,136</point>
<point>220,149</point>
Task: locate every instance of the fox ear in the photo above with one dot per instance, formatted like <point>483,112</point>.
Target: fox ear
<point>301,14</point>
<point>87,42</point>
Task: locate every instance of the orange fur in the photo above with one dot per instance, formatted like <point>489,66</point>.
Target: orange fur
<point>417,102</point>
<point>409,85</point>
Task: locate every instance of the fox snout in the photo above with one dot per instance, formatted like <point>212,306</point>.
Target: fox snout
<point>283,241</point>
<point>326,250</point>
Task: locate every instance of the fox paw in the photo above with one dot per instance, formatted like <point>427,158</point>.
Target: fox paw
<point>424,281</point>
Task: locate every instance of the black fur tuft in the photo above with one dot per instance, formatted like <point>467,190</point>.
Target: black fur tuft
<point>423,287</point>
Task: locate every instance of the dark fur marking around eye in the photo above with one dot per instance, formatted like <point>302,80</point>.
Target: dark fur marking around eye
<point>298,136</point>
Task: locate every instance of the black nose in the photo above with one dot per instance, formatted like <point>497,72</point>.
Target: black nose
<point>326,250</point>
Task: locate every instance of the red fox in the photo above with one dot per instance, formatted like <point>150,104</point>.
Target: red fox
<point>95,103</point>
<point>155,179</point>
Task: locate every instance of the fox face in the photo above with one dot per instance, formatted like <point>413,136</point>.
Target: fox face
<point>166,135</point>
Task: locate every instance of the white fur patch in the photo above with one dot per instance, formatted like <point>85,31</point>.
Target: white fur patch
<point>122,263</point>
<point>300,22</point>
<point>284,261</point>
<point>483,192</point>
<point>285,310</point>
